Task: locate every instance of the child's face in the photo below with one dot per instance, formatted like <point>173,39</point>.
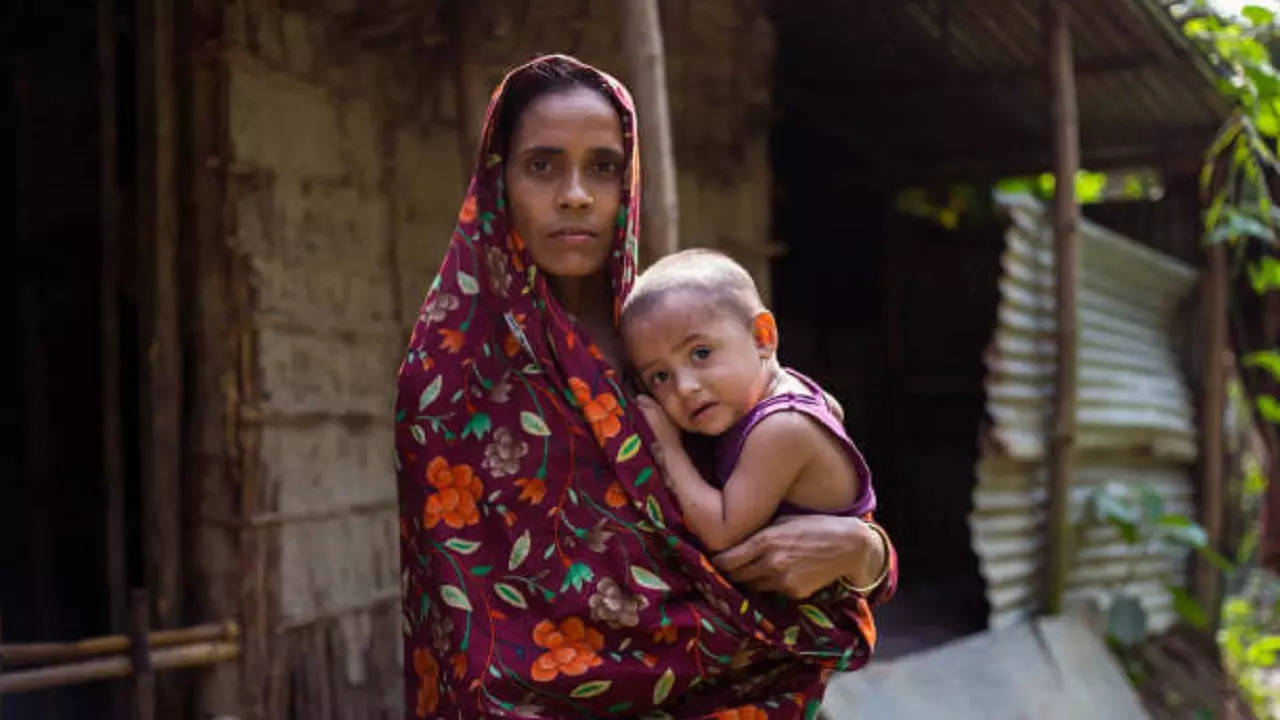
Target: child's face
<point>701,362</point>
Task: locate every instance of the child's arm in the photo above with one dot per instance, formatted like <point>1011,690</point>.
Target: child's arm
<point>772,458</point>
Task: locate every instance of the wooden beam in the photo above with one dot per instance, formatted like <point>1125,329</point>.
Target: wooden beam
<point>1066,161</point>
<point>646,59</point>
<point>160,350</point>
<point>1212,404</point>
<point>109,317</point>
<point>144,678</point>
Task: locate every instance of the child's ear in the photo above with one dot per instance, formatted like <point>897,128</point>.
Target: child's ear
<point>764,329</point>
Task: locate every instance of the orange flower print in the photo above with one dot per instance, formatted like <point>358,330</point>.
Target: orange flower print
<point>602,411</point>
<point>459,662</point>
<point>468,211</point>
<point>571,649</point>
<point>425,665</point>
<point>746,712</point>
<point>665,634</point>
<point>454,502</point>
<point>510,345</point>
<point>614,496</point>
<point>532,489</point>
<point>453,340</point>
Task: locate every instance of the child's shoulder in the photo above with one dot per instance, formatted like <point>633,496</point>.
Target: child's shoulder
<point>789,430</point>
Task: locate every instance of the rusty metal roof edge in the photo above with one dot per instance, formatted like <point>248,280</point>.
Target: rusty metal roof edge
<point>1160,17</point>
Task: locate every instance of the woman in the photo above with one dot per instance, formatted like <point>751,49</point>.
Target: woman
<point>546,572</point>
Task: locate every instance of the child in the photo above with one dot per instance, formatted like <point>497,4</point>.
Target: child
<point>704,346</point>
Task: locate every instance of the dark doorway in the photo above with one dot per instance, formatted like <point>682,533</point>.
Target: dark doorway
<point>891,314</point>
<point>54,551</point>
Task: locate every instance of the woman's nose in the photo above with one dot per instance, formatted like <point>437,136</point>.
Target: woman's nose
<point>573,195</point>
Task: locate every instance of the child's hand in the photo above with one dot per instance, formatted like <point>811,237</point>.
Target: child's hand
<point>662,427</point>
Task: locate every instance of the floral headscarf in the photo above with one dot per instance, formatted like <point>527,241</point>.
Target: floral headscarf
<point>546,570</point>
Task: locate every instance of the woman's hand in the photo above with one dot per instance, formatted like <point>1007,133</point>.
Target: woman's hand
<point>801,554</point>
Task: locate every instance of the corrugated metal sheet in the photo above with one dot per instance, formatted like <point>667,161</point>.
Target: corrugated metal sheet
<point>1135,422</point>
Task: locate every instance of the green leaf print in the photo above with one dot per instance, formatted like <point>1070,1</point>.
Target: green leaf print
<point>467,284</point>
<point>519,551</point>
<point>576,575</point>
<point>643,476</point>
<point>454,597</point>
<point>418,434</point>
<point>481,570</point>
<point>478,425</point>
<point>791,635</point>
<point>646,578</point>
<point>533,424</point>
<point>510,595</point>
<point>816,616</point>
<point>591,689</point>
<point>662,688</point>
<point>430,393</point>
<point>629,448</point>
<point>655,512</point>
<point>466,547</point>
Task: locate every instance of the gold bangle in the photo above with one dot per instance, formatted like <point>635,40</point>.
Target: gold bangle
<point>848,584</point>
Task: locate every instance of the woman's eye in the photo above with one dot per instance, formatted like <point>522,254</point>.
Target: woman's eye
<point>606,168</point>
<point>701,353</point>
<point>539,166</point>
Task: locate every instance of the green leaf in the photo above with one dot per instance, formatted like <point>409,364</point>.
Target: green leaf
<point>533,424</point>
<point>1216,559</point>
<point>478,425</point>
<point>1262,652</point>
<point>1188,608</point>
<point>510,595</point>
<point>662,688</point>
<point>1181,530</point>
<point>629,448</point>
<point>646,578</point>
<point>466,547</point>
<point>1268,360</point>
<point>430,393</point>
<point>467,284</point>
<point>454,597</point>
<point>519,551</point>
<point>654,511</point>
<point>1268,408</point>
<point>418,434</point>
<point>591,689</point>
<point>816,616</point>
<point>1264,275</point>
<point>1259,16</point>
<point>1126,620</point>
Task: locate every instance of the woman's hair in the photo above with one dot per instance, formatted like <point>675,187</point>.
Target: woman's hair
<point>554,74</point>
<point>708,272</point>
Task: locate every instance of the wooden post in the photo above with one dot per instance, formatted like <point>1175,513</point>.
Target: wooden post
<point>469,90</point>
<point>1066,161</point>
<point>108,214</point>
<point>660,221</point>
<point>144,681</point>
<point>1212,404</point>
<point>160,351</point>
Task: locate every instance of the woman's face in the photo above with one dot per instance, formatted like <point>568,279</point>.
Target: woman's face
<point>564,180</point>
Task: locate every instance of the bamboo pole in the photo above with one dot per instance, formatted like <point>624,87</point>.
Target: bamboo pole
<point>1212,403</point>
<point>660,220</point>
<point>144,678</point>
<point>1066,161</point>
<point>37,653</point>
<point>117,666</point>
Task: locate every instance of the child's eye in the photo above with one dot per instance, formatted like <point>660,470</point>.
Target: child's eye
<point>701,353</point>
<point>658,378</point>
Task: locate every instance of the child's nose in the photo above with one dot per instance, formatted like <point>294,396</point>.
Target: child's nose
<point>687,384</point>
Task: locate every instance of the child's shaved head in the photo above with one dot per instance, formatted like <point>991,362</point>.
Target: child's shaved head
<point>707,272</point>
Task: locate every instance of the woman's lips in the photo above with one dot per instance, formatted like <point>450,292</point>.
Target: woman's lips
<point>574,236</point>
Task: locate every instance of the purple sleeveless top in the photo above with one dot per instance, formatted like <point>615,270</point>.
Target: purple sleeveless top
<point>729,445</point>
